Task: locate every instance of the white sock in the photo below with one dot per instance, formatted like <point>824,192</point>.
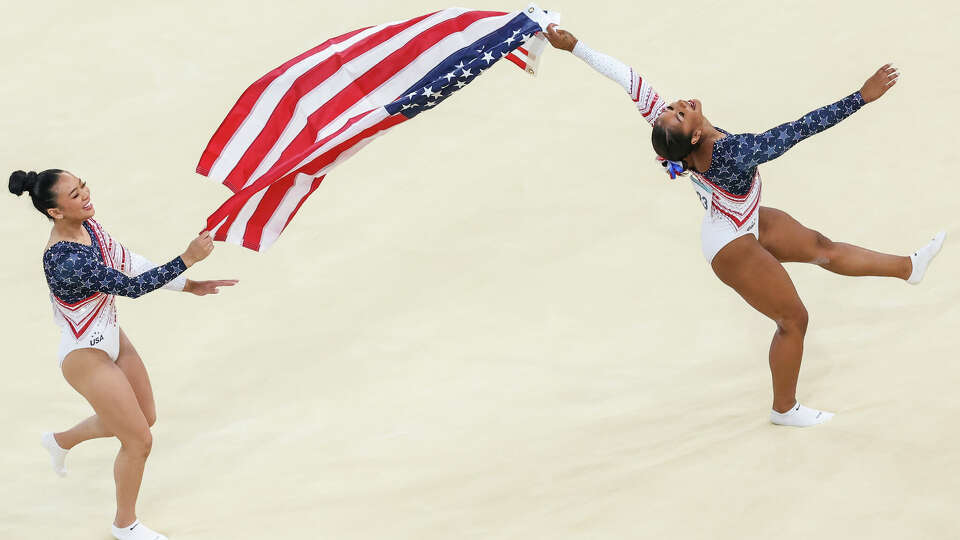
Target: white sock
<point>800,416</point>
<point>135,531</point>
<point>921,259</point>
<point>57,454</point>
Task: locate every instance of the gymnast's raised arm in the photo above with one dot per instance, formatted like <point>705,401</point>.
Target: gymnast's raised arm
<point>754,149</point>
<point>648,101</point>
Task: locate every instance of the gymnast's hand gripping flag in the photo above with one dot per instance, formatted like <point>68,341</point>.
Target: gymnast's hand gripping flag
<point>296,123</point>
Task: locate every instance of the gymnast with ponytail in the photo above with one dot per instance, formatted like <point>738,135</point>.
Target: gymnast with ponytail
<point>745,243</point>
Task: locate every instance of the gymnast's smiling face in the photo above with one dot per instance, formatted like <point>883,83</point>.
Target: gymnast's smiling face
<point>683,118</point>
<point>73,199</point>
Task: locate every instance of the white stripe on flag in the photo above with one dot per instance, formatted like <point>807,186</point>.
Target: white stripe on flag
<point>273,228</point>
<point>279,218</point>
<point>254,122</point>
<point>238,226</point>
<point>235,232</point>
<point>383,95</point>
<point>346,75</point>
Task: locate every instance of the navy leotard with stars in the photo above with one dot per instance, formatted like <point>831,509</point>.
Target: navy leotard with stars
<point>76,271</point>
<point>735,157</point>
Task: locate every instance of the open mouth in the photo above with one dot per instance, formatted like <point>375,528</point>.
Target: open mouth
<point>693,104</point>
<point>88,206</point>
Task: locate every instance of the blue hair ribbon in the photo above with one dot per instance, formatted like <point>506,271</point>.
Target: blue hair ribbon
<point>673,168</point>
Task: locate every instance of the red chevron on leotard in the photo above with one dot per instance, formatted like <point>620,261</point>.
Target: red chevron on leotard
<point>80,315</point>
<point>78,318</point>
<point>733,216</point>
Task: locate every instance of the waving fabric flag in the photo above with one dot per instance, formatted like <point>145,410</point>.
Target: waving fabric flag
<point>296,123</point>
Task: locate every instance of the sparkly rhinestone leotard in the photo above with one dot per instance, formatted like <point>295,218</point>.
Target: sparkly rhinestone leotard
<point>84,281</point>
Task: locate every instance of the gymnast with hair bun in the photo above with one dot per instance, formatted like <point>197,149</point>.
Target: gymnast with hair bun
<point>86,269</point>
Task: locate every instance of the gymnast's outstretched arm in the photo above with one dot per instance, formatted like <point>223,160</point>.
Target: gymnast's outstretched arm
<point>753,149</point>
<point>647,100</point>
<point>140,264</point>
<point>74,273</point>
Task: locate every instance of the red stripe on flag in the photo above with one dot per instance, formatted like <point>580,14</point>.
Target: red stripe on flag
<point>313,187</point>
<point>287,105</point>
<point>231,208</point>
<point>524,51</point>
<point>248,99</point>
<point>376,76</point>
<point>226,214</point>
<point>513,58</point>
<point>253,232</point>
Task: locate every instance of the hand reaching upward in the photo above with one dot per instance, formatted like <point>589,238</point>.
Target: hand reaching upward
<point>878,84</point>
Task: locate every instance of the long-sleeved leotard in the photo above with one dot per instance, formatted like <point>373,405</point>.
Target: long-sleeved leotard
<point>85,281</point>
<point>648,101</point>
<point>735,157</point>
<point>76,271</point>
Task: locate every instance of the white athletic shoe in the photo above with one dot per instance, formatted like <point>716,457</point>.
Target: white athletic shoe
<point>136,531</point>
<point>57,455</point>
<point>800,416</point>
<point>923,256</point>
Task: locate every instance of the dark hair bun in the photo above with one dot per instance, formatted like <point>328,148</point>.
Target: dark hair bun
<point>21,182</point>
<point>39,185</point>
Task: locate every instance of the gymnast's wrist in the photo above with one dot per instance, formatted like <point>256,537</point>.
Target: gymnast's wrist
<point>187,260</point>
<point>579,49</point>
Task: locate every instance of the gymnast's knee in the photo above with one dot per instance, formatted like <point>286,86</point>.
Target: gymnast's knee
<point>794,320</point>
<point>823,249</point>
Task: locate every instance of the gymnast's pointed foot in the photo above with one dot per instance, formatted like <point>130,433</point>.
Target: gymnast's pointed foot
<point>800,416</point>
<point>922,258</point>
<point>135,531</point>
<point>57,455</point>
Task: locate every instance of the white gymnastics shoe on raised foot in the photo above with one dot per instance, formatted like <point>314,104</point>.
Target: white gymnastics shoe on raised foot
<point>57,455</point>
<point>135,531</point>
<point>923,256</point>
<point>800,416</point>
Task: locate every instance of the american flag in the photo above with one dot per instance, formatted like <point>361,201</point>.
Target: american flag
<point>296,123</point>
